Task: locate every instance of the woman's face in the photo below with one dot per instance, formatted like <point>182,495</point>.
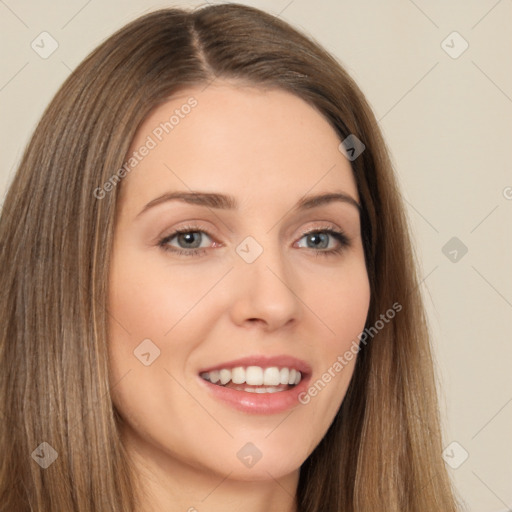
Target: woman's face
<point>237,171</point>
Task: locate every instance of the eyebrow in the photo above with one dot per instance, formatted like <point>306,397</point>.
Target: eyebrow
<point>227,202</point>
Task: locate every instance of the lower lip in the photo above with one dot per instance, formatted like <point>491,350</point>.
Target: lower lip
<point>258,403</point>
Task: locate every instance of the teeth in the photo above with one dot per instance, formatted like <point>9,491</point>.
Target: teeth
<point>225,376</point>
<point>269,389</point>
<point>238,375</point>
<point>255,376</point>
<point>271,376</point>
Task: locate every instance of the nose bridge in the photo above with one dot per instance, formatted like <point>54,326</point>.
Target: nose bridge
<point>263,254</point>
<point>266,282</point>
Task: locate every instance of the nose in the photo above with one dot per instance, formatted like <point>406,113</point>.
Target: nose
<point>266,292</point>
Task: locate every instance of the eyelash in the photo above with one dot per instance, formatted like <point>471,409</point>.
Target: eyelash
<point>337,235</point>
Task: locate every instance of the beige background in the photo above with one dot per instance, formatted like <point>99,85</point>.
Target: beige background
<point>448,122</point>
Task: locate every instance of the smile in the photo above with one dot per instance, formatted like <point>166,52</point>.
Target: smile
<point>255,379</point>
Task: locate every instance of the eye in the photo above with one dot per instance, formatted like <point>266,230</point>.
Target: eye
<point>326,241</point>
<point>186,241</point>
<point>192,241</point>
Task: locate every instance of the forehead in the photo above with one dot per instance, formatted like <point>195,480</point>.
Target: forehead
<point>249,142</point>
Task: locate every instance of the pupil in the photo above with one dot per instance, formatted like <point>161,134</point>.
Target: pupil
<point>319,240</point>
<point>191,239</point>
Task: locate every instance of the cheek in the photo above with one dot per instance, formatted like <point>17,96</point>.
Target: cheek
<point>156,310</point>
<point>341,300</point>
<point>153,300</point>
<point>162,310</point>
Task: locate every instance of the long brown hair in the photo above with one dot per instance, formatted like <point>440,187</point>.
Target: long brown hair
<point>383,450</point>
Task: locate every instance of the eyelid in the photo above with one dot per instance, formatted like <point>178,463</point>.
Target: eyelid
<point>334,232</point>
<point>164,240</point>
<point>187,228</point>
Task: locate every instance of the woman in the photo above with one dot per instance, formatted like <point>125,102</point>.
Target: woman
<point>209,293</point>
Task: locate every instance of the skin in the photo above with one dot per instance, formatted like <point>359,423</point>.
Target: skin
<point>267,148</point>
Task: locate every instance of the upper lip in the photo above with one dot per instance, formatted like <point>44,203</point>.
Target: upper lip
<point>281,361</point>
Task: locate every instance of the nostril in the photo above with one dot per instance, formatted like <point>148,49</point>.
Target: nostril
<point>255,320</point>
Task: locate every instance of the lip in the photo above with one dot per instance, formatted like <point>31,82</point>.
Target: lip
<point>260,403</point>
